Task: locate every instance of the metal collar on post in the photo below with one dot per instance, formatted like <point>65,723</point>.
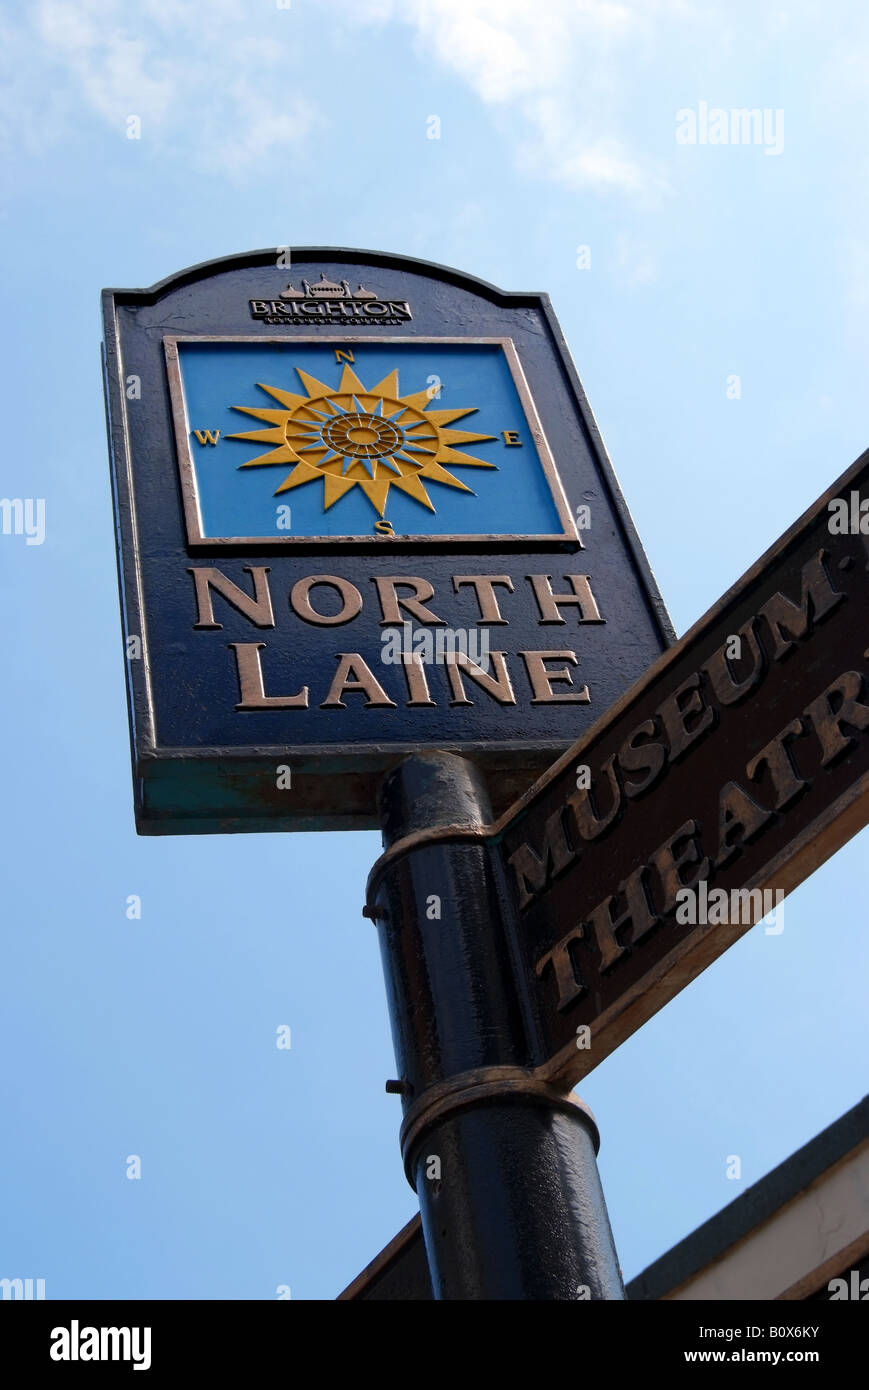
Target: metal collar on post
<point>475,1088</point>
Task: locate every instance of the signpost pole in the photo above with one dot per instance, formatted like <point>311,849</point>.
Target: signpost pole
<point>504,1165</point>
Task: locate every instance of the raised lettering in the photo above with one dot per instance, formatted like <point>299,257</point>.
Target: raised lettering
<point>776,758</point>
<point>498,686</point>
<point>584,806</point>
<point>606,923</point>
<point>676,715</point>
<point>828,722</point>
<point>567,977</point>
<point>484,588</point>
<point>353,674</point>
<point>257,609</point>
<point>787,620</point>
<point>301,603</point>
<point>549,603</point>
<point>541,679</point>
<point>719,669</point>
<point>533,871</point>
<point>251,689</point>
<point>669,861</point>
<point>737,811</point>
<point>391,605</point>
<point>645,757</point>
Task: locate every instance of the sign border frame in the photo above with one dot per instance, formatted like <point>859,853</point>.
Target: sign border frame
<point>189,492</point>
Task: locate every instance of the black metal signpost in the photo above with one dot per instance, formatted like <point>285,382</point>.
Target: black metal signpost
<point>419,550</point>
<point>376,569</point>
<point>503,1164</point>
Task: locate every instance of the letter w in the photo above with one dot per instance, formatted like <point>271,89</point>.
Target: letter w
<point>207,436</point>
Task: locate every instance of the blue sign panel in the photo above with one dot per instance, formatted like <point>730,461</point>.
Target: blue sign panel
<point>354,523</point>
<point>400,437</point>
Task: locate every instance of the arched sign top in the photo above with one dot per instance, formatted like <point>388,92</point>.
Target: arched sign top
<point>290,256</point>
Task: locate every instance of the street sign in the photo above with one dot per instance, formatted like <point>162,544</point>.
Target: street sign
<point>730,771</point>
<point>363,510</point>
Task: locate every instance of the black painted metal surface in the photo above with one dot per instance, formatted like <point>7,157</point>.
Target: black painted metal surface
<point>505,1169</point>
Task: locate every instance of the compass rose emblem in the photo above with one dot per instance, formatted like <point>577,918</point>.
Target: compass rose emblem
<point>355,436</point>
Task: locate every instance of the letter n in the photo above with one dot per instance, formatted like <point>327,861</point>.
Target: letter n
<point>257,609</point>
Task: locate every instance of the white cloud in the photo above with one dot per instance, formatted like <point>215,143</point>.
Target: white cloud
<point>261,127</point>
<point>506,49</point>
<point>558,76</point>
<point>181,67</point>
<point>568,148</point>
<point>560,64</point>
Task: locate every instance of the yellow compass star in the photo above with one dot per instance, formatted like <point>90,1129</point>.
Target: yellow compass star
<point>351,436</point>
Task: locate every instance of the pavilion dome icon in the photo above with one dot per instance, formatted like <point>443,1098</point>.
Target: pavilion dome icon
<point>327,289</point>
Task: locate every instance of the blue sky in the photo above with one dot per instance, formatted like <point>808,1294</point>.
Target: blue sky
<point>309,125</point>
